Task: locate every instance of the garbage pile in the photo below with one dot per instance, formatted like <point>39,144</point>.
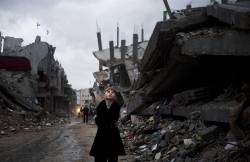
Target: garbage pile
<point>181,140</point>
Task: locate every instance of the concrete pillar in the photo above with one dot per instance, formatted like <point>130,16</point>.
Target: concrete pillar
<point>168,9</point>
<point>135,50</point>
<point>0,42</point>
<point>164,15</point>
<point>123,49</point>
<point>38,39</point>
<point>99,39</point>
<point>117,36</point>
<point>142,34</point>
<point>224,1</point>
<point>111,50</point>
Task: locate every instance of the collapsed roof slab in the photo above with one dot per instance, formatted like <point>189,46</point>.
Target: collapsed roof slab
<point>236,15</point>
<point>104,55</point>
<point>224,43</point>
<point>136,101</point>
<point>164,34</point>
<point>212,111</point>
<point>170,79</point>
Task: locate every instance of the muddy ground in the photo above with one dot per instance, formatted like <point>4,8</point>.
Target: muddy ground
<point>69,143</point>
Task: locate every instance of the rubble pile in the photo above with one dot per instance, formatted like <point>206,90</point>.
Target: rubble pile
<point>181,141</point>
<point>11,122</point>
<point>19,109</point>
<point>16,81</point>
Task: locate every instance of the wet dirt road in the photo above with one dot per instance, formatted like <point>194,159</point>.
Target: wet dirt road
<point>70,143</point>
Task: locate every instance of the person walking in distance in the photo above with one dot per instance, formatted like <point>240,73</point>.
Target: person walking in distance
<point>107,145</point>
<point>85,114</point>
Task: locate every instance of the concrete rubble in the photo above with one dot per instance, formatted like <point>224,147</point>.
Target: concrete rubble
<point>181,140</point>
<point>34,90</point>
<point>189,98</point>
<point>12,122</point>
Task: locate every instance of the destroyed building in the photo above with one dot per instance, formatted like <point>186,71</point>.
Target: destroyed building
<point>195,67</point>
<point>122,65</point>
<point>191,62</point>
<point>198,62</point>
<point>32,74</point>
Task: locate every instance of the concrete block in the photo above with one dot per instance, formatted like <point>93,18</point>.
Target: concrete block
<point>235,15</point>
<point>225,43</point>
<point>164,34</point>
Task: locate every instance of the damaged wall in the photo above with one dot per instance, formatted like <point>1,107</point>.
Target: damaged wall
<point>44,83</point>
<point>35,52</point>
<point>192,52</point>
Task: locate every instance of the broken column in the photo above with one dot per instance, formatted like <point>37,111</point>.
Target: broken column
<point>117,38</point>
<point>168,9</point>
<point>99,39</point>
<point>123,49</point>
<point>142,34</point>
<point>135,50</point>
<point>111,50</point>
<point>0,42</point>
<point>38,39</point>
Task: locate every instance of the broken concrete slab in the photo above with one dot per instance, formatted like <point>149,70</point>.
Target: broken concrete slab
<point>104,55</point>
<point>136,101</point>
<point>163,35</point>
<point>219,42</point>
<point>12,44</point>
<point>235,15</point>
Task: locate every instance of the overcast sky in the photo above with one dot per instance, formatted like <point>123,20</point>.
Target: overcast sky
<point>72,27</point>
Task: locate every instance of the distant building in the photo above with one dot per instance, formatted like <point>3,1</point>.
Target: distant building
<point>83,97</point>
<point>49,83</point>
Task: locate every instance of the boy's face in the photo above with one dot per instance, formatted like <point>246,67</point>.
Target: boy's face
<point>110,94</point>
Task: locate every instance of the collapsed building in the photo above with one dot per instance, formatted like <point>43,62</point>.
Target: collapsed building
<point>187,92</point>
<point>195,66</point>
<point>196,61</point>
<point>32,79</point>
<point>122,65</point>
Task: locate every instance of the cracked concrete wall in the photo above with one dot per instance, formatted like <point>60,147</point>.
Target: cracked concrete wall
<point>12,44</point>
<point>35,52</point>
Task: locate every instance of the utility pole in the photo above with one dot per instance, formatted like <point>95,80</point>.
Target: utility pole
<point>168,9</point>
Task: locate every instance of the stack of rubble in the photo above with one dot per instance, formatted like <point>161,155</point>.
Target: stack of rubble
<point>181,141</point>
<point>19,108</point>
<point>12,123</point>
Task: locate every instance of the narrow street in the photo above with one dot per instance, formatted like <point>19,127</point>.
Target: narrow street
<point>65,144</point>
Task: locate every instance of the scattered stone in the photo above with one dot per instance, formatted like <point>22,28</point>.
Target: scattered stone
<point>188,142</point>
<point>3,133</point>
<point>158,156</point>
<point>231,145</point>
<point>48,124</point>
<point>12,129</point>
